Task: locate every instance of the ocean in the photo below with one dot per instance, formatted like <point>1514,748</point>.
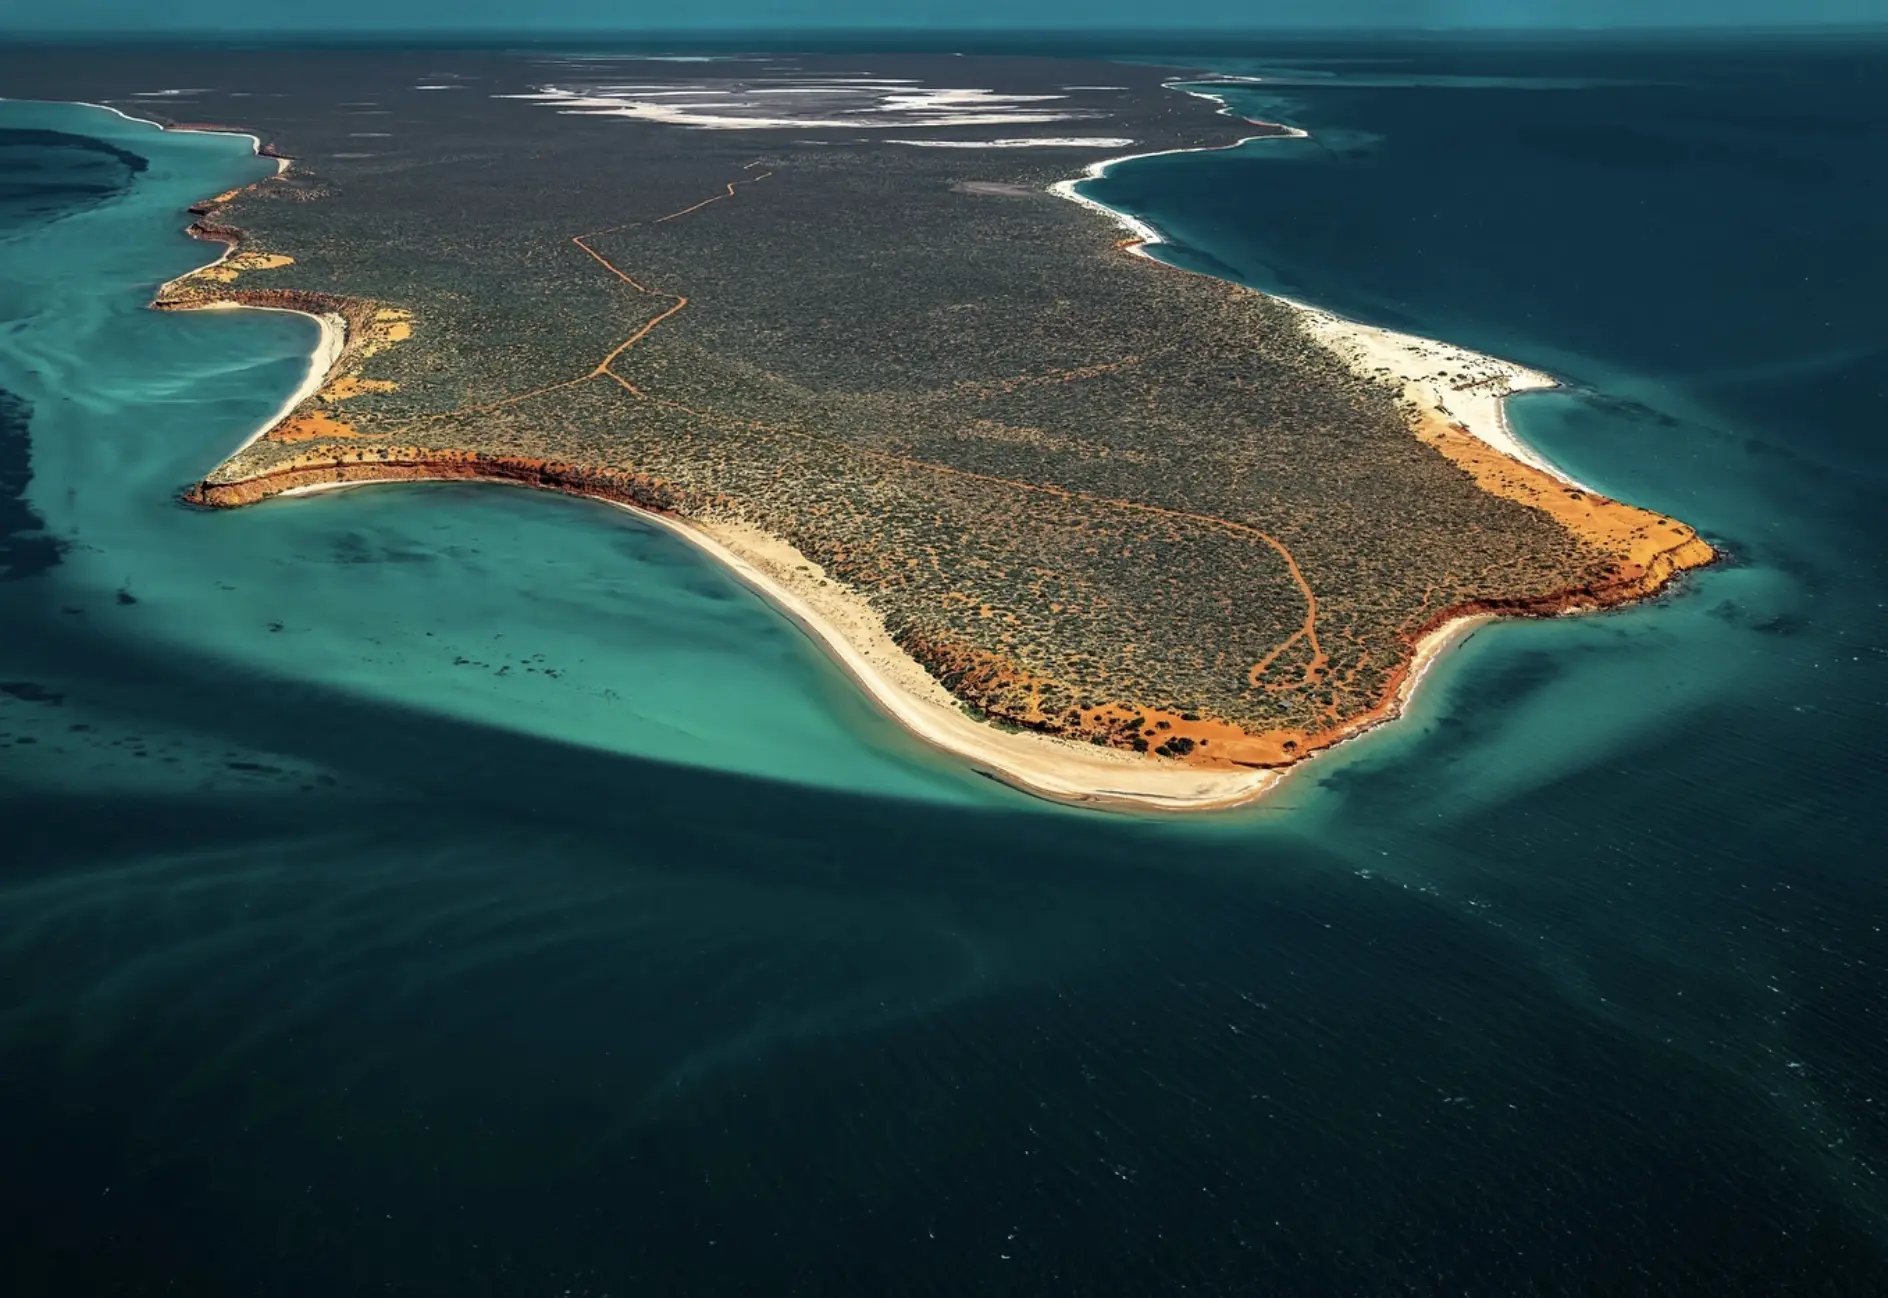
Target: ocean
<point>454,889</point>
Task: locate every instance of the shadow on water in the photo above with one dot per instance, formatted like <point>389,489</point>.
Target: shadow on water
<point>303,991</point>
<point>25,548</point>
<point>619,1022</point>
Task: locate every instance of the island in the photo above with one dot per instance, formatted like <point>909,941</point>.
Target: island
<point>1119,533</point>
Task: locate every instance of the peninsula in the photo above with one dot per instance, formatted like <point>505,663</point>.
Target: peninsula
<point>1116,532</point>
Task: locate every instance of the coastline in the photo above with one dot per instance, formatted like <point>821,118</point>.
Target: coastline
<point>1420,364</point>
<point>846,627</point>
<point>853,634</point>
<point>255,141</point>
<point>321,361</point>
<point>332,327</point>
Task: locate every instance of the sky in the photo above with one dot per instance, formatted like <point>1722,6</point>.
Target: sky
<point>342,16</point>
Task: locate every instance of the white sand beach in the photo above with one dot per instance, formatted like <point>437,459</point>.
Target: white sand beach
<point>320,363</point>
<point>853,634</point>
<point>1465,387</point>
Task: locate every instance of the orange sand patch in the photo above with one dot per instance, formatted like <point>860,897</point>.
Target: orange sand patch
<point>382,330</point>
<point>353,385</point>
<point>310,426</point>
<point>1647,547</point>
<point>979,675</point>
<point>230,267</point>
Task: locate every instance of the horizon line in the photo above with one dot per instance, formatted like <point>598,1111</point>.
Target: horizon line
<point>123,36</point>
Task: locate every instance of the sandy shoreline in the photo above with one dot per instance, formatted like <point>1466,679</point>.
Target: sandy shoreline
<point>844,624</point>
<point>255,141</point>
<point>1423,368</point>
<point>320,362</point>
<point>853,635</point>
<point>333,336</point>
<point>850,633</point>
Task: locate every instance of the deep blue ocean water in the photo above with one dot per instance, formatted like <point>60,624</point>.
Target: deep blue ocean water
<point>387,901</point>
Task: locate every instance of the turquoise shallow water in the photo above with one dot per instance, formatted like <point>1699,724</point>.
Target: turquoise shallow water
<point>464,601</point>
<point>343,944</point>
